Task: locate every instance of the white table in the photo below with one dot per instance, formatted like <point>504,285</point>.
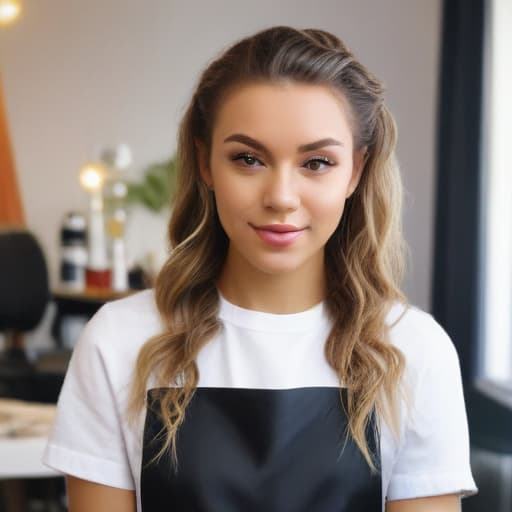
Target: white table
<point>21,458</point>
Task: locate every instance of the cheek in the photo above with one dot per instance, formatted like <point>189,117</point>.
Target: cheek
<point>326,206</point>
<point>329,213</point>
<point>233,201</point>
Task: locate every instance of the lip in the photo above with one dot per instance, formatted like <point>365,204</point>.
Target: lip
<point>278,235</point>
<point>279,228</point>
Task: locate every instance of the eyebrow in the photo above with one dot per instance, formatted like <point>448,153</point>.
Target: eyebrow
<point>245,139</point>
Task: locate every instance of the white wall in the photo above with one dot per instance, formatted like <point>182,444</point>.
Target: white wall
<point>79,75</point>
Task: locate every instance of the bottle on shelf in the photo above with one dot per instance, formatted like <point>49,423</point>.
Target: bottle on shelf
<point>116,160</point>
<point>97,273</point>
<point>73,252</point>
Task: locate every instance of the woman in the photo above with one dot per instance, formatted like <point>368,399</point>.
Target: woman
<point>276,366</point>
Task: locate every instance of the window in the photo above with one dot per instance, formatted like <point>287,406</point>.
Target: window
<point>496,256</point>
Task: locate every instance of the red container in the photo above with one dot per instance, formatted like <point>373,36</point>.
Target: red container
<point>98,279</point>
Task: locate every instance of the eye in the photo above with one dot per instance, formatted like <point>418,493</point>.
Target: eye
<point>318,163</point>
<point>249,159</point>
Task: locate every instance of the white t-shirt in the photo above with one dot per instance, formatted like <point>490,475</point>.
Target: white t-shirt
<point>260,431</point>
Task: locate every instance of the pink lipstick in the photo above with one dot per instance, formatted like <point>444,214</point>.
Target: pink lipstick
<point>278,235</point>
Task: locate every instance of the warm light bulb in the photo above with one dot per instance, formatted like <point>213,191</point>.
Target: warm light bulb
<point>92,177</point>
<point>9,11</point>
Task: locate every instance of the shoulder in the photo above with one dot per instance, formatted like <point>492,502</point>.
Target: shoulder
<point>122,326</point>
<point>138,306</point>
<point>432,454</point>
<point>421,339</point>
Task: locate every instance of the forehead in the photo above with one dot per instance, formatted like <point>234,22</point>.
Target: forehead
<point>283,112</point>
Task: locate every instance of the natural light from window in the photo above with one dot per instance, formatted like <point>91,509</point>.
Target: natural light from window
<point>496,298</point>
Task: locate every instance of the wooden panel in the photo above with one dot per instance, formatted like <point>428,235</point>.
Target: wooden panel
<point>11,210</point>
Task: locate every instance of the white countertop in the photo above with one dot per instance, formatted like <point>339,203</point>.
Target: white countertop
<point>20,457</point>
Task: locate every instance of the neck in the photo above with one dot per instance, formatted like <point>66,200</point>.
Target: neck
<point>279,293</point>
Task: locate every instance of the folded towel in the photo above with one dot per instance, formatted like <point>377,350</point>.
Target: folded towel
<point>25,419</point>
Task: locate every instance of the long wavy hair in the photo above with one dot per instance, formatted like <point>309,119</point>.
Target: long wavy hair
<point>364,258</point>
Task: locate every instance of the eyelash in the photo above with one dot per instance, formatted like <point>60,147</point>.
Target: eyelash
<point>320,159</point>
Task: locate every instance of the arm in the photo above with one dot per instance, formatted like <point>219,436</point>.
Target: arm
<point>433,453</point>
<point>446,503</point>
<point>87,439</point>
<point>84,496</point>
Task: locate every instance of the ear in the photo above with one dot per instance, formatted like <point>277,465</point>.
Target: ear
<point>359,160</point>
<point>204,164</point>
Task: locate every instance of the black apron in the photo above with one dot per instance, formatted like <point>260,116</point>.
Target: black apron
<point>260,450</point>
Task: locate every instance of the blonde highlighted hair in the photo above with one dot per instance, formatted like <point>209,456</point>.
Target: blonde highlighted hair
<point>364,258</point>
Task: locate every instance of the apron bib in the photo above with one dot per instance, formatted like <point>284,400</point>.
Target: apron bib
<point>260,450</point>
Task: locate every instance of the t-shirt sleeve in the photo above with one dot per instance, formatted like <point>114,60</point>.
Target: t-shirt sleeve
<point>87,439</point>
<point>433,458</point>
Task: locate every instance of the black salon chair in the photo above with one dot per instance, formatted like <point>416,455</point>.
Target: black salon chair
<point>24,296</point>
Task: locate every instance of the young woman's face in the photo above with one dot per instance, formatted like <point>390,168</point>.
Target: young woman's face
<point>282,165</point>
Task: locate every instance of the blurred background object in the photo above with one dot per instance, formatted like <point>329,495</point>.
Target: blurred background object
<point>73,241</point>
<point>117,161</point>
<point>156,190</point>
<point>31,381</point>
<point>11,209</point>
<point>9,11</point>
<point>97,272</point>
<point>24,295</point>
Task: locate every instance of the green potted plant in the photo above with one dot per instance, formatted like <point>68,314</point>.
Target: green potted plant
<point>157,187</point>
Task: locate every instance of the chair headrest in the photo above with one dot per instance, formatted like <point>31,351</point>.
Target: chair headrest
<point>24,291</point>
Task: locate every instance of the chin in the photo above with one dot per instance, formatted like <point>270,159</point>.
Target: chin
<point>279,264</point>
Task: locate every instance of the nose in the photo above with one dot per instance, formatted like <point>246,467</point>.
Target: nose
<point>281,192</point>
